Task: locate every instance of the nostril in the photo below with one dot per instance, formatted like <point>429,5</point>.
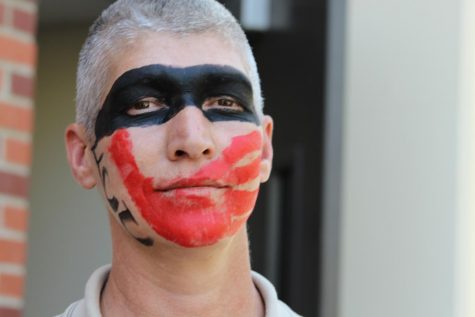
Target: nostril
<point>180,153</point>
<point>206,152</point>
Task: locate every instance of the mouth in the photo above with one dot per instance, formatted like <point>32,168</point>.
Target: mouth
<point>191,184</point>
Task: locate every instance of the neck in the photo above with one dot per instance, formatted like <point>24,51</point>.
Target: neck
<point>169,280</point>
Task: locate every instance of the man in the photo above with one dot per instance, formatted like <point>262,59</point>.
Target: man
<point>170,128</point>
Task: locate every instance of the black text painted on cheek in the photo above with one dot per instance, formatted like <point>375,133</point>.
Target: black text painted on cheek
<point>177,88</point>
<point>119,208</point>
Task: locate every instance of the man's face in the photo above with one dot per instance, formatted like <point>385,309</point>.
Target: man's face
<point>180,149</point>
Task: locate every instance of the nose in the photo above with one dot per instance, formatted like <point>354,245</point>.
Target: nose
<point>190,136</point>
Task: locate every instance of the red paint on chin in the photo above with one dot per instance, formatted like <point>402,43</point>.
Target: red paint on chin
<point>187,216</point>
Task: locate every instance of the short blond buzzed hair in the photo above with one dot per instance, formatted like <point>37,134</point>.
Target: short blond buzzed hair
<point>125,20</point>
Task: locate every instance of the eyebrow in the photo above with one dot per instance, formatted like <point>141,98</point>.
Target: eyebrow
<point>156,72</point>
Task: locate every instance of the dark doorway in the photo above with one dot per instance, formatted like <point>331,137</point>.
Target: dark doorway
<point>285,227</point>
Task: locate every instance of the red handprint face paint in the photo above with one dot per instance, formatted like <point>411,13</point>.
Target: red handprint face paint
<point>202,208</point>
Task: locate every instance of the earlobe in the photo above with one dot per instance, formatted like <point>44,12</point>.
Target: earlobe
<point>267,150</point>
<point>78,156</point>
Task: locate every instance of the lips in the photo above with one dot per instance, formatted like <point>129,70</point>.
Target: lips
<point>191,183</point>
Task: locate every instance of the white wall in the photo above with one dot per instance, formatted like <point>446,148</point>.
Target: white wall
<point>404,186</point>
<point>69,234</point>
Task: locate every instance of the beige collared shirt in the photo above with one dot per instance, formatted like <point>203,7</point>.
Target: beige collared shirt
<point>89,306</point>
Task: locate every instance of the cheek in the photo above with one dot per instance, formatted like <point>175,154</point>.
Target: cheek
<point>147,147</point>
<point>237,164</point>
<point>116,191</point>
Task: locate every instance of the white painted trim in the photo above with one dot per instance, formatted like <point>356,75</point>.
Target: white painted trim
<point>329,301</point>
<point>256,14</point>
<point>465,225</point>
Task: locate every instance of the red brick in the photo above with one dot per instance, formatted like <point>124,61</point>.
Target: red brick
<point>16,118</point>
<point>23,86</point>
<point>16,51</point>
<point>24,21</point>
<point>2,13</point>
<point>9,312</point>
<point>17,151</point>
<point>11,285</point>
<point>12,251</point>
<point>15,218</point>
<point>14,185</point>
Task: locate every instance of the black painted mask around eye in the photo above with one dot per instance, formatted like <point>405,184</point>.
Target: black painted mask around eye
<point>175,88</point>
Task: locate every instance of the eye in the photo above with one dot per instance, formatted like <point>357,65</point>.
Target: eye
<point>224,103</point>
<point>146,105</point>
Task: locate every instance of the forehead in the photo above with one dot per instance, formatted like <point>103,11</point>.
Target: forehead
<point>173,50</point>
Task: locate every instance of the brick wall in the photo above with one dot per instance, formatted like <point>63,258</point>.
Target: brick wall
<point>17,73</point>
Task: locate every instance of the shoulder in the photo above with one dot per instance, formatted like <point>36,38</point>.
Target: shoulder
<point>89,306</point>
<point>273,306</point>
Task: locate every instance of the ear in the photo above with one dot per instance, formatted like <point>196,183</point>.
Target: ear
<point>78,154</point>
<point>267,150</point>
